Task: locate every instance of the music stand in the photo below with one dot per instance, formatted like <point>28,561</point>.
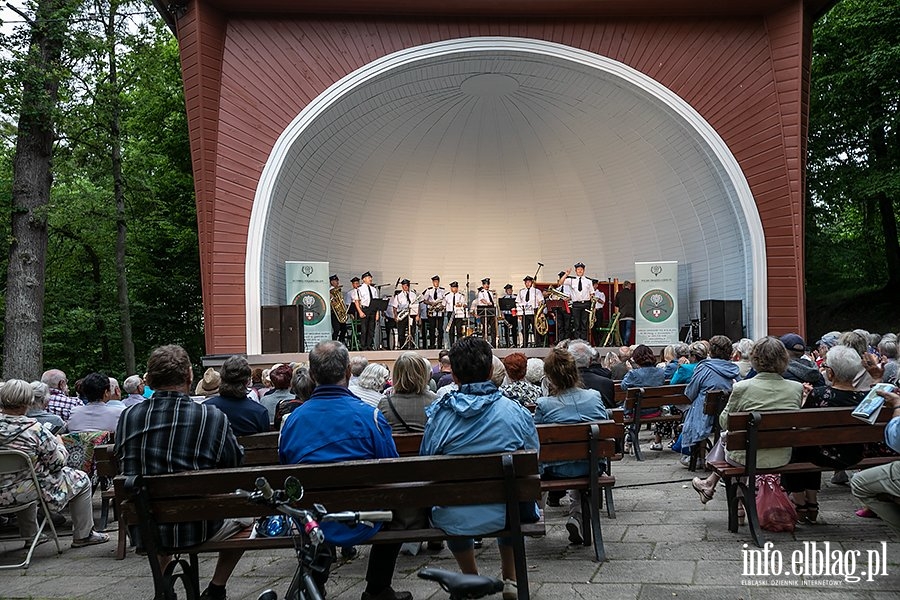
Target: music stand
<point>378,304</point>
<point>506,305</point>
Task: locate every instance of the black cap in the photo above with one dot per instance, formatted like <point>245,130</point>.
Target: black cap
<point>508,286</point>
<point>454,284</point>
<point>436,278</point>
<point>561,273</point>
<point>486,280</point>
<point>356,279</point>
<point>579,265</point>
<point>528,278</point>
<point>366,274</point>
<point>404,282</point>
<point>334,278</point>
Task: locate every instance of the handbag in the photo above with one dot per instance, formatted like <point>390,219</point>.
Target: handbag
<point>775,510</point>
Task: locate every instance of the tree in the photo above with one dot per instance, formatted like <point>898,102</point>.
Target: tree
<point>854,149</point>
<point>40,74</point>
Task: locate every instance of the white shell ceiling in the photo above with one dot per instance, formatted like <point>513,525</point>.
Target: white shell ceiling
<point>486,164</point>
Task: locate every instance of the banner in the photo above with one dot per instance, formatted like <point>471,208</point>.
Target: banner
<point>656,293</point>
<point>307,285</point>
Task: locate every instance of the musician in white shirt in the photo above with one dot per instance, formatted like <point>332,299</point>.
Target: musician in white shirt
<point>455,304</point>
<point>363,296</point>
<point>562,314</point>
<point>582,291</point>
<point>527,301</point>
<point>487,311</point>
<point>406,308</point>
<point>434,299</point>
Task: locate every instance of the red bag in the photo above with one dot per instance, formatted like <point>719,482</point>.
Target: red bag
<point>776,511</point>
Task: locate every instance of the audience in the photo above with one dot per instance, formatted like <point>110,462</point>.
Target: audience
<point>569,402</point>
<point>38,410</point>
<point>59,402</point>
<point>358,364</point>
<point>369,387</point>
<point>404,409</point>
<point>209,384</point>
<point>134,387</point>
<point>645,374</point>
<point>280,378</point>
<point>591,374</point>
<point>714,373</point>
<point>878,488</point>
<point>302,387</point>
<point>518,388</point>
<point>695,353</point>
<point>245,416</point>
<point>741,355</point>
<point>97,414</point>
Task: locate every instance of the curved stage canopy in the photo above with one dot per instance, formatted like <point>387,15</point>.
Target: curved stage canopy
<point>484,156</point>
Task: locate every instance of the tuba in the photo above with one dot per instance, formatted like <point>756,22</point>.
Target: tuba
<point>540,320</point>
<point>592,316</point>
<point>337,304</point>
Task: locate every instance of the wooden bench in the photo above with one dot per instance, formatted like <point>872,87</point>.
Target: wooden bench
<point>416,482</point>
<point>108,467</point>
<point>713,405</point>
<point>642,398</point>
<point>788,429</point>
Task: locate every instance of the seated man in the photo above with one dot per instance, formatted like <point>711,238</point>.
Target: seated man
<point>96,415</point>
<point>878,488</point>
<point>147,445</point>
<point>477,419</point>
<point>334,426</point>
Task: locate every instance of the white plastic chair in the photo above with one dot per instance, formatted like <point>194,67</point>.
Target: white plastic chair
<point>15,461</point>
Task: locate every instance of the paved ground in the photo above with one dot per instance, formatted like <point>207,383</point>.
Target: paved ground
<point>663,544</point>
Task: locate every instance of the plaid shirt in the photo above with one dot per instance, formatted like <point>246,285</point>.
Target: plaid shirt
<point>61,404</point>
<point>170,433</point>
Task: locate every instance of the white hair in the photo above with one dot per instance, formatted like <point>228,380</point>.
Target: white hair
<point>534,372</point>
<point>373,377</point>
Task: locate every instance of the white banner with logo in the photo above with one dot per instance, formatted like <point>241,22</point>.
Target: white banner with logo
<point>656,303</point>
<point>307,285</point>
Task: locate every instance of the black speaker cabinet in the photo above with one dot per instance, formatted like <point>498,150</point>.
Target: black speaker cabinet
<point>282,329</point>
<point>722,317</point>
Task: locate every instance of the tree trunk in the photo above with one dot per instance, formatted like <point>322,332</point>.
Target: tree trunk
<point>879,160</point>
<point>119,193</point>
<point>24,320</point>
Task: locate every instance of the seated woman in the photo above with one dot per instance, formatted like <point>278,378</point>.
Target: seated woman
<point>302,386</point>
<point>568,403</point>
<point>768,390</point>
<point>404,409</point>
<point>280,377</point>
<point>696,352</point>
<point>841,366</point>
<point>370,386</point>
<point>519,388</point>
<point>245,415</point>
<point>714,373</point>
<point>59,484</point>
<point>646,374</point>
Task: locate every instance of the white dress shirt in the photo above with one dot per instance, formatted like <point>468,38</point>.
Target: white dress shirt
<point>527,307</point>
<point>434,298</point>
<point>587,288</point>
<point>456,303</point>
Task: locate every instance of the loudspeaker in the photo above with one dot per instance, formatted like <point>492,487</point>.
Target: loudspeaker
<point>282,329</point>
<point>722,317</point>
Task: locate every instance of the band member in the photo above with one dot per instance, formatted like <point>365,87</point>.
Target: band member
<point>509,315</point>
<point>348,299</point>
<point>363,296</point>
<point>598,308</point>
<point>406,309</point>
<point>390,325</point>
<point>455,304</point>
<point>582,290</point>
<point>562,314</point>
<point>526,304</point>
<point>487,311</point>
<point>434,299</point>
<point>338,329</point>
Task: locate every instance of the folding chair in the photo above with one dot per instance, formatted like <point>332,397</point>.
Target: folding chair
<point>15,461</point>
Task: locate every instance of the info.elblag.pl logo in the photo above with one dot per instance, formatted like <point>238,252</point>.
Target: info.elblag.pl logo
<point>818,563</point>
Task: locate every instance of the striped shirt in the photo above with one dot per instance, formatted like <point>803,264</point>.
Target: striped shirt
<point>170,433</point>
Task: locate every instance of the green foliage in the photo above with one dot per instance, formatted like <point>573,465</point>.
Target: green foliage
<point>854,149</point>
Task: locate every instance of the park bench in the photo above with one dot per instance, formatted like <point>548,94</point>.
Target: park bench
<point>643,398</point>
<point>410,483</point>
<point>713,405</point>
<point>754,431</point>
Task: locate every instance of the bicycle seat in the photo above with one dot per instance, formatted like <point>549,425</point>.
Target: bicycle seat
<point>460,585</point>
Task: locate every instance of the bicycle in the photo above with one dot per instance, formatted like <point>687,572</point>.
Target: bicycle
<point>309,544</point>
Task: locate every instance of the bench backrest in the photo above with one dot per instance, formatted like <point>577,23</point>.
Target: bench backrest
<point>802,427</point>
<point>715,403</point>
<point>655,397</point>
<point>413,482</point>
<point>572,441</point>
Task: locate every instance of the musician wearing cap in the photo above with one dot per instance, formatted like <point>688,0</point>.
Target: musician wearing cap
<point>562,314</point>
<point>434,300</point>
<point>582,291</point>
<point>362,297</point>
<point>348,298</point>
<point>406,309</point>
<point>455,305</point>
<point>527,301</point>
<point>338,310</point>
<point>509,315</point>
<point>486,311</point>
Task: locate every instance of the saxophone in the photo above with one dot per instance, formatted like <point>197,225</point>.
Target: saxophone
<point>337,304</point>
<point>592,316</point>
<point>540,319</point>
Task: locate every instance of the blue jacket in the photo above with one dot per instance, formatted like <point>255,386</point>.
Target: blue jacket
<point>575,405</point>
<point>683,373</point>
<point>334,426</point>
<point>709,374</point>
<point>476,419</point>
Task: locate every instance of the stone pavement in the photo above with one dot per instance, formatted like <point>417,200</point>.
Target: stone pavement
<point>663,545</point>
